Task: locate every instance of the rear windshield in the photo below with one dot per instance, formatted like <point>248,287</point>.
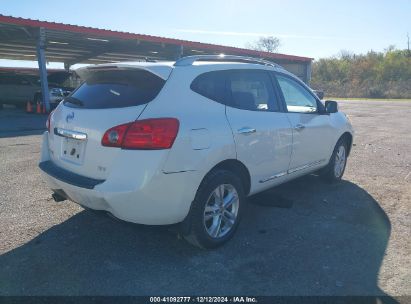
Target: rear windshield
<point>116,89</point>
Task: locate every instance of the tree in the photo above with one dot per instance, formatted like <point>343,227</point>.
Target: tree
<point>265,44</point>
<point>375,74</point>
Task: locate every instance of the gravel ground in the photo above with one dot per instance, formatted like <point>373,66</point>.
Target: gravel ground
<point>302,238</point>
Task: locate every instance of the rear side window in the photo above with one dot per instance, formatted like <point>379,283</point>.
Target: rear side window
<point>116,89</point>
<point>211,85</point>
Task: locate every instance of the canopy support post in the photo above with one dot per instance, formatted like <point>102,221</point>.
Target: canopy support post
<point>41,60</point>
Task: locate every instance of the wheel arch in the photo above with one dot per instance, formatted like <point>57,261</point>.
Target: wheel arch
<point>237,168</point>
<point>232,165</point>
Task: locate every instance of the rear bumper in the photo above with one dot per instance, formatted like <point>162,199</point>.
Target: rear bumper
<point>69,177</point>
<point>157,199</point>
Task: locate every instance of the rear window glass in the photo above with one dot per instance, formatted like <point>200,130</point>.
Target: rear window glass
<point>211,85</point>
<point>116,89</point>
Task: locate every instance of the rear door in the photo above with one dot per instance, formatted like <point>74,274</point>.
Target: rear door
<point>107,98</point>
<point>262,133</point>
<point>312,131</point>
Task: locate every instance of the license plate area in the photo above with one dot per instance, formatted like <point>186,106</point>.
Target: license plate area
<point>73,150</point>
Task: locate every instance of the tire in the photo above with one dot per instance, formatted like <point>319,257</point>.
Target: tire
<point>338,161</point>
<point>210,224</point>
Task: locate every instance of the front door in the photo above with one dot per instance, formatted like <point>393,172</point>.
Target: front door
<point>312,131</point>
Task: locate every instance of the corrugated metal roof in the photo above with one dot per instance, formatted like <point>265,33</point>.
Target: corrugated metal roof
<point>79,44</point>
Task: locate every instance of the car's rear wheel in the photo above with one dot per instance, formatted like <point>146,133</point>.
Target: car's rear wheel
<point>216,210</point>
<point>336,167</point>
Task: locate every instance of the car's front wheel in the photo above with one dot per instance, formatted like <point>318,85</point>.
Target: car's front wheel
<point>216,210</point>
<point>336,167</point>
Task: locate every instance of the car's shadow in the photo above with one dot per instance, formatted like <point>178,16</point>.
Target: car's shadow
<point>16,123</point>
<point>30,132</point>
<point>322,240</point>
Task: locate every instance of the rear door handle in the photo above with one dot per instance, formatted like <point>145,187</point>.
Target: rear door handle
<point>299,127</point>
<point>246,130</point>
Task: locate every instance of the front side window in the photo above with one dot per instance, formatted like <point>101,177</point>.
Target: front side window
<point>251,90</point>
<point>296,97</point>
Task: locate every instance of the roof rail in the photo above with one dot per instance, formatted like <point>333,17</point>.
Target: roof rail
<point>189,60</point>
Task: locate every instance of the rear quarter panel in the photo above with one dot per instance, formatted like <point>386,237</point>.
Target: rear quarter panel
<point>204,138</point>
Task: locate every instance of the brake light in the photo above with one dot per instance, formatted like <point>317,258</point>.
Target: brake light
<point>114,137</point>
<point>48,121</point>
<point>147,134</point>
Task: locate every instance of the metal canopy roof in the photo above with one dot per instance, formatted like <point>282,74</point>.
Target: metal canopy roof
<point>78,44</point>
<point>26,71</point>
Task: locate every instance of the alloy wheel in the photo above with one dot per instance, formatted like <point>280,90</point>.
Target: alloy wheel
<point>221,211</point>
<point>340,159</point>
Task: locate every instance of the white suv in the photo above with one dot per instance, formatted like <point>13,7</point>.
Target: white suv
<point>187,142</point>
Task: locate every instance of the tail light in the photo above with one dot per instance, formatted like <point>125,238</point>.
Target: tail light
<point>48,121</point>
<point>147,134</point>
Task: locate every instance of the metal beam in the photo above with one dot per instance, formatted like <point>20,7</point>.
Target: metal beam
<point>67,66</point>
<point>84,57</point>
<point>308,73</point>
<point>41,59</point>
<point>180,52</point>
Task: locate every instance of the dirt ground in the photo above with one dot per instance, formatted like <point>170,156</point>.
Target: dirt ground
<point>305,237</point>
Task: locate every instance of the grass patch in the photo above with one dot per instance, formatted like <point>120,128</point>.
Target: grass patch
<point>367,99</point>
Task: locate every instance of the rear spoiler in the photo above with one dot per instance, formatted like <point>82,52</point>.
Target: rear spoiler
<point>162,71</point>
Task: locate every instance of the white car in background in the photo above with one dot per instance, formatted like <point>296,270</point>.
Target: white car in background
<point>18,89</point>
<point>187,142</point>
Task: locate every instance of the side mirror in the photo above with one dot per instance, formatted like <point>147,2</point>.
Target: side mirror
<point>331,106</point>
<point>320,94</point>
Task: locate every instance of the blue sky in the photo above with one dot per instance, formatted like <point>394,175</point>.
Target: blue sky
<point>316,28</point>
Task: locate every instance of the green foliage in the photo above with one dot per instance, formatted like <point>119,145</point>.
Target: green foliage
<point>375,75</point>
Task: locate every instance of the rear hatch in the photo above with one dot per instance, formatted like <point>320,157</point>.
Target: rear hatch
<point>109,96</point>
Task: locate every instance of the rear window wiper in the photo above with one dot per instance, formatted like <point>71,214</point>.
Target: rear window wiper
<point>74,101</point>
